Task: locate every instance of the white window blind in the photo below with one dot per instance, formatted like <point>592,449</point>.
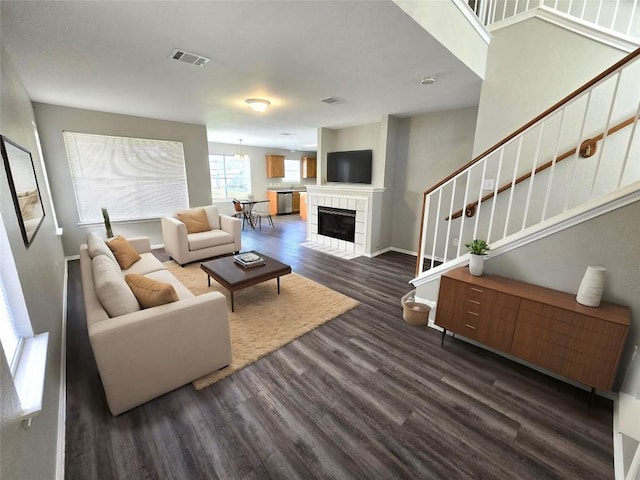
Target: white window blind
<point>134,178</point>
<point>230,176</point>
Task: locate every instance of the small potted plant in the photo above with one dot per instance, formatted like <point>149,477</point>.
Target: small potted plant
<point>477,250</point>
<point>107,222</point>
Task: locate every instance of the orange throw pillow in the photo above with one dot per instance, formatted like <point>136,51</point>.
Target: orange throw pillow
<point>124,252</point>
<point>195,220</point>
<point>150,292</point>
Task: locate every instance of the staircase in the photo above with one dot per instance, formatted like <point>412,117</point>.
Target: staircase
<point>575,161</point>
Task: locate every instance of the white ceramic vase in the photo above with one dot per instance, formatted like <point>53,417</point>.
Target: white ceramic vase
<point>591,287</point>
<point>476,265</point>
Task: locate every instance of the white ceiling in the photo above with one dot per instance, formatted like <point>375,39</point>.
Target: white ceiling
<point>113,56</point>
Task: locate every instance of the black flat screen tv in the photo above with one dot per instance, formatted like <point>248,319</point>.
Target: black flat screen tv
<point>350,167</point>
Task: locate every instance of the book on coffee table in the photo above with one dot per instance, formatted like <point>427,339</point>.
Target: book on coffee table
<point>248,260</point>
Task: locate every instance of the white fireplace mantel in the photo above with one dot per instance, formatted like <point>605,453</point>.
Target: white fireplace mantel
<point>360,198</point>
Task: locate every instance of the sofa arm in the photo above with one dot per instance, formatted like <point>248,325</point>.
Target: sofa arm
<point>174,236</point>
<point>147,353</point>
<point>141,244</point>
<point>233,226</point>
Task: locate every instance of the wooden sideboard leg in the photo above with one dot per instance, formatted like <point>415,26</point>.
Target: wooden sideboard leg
<point>444,332</point>
<point>592,396</point>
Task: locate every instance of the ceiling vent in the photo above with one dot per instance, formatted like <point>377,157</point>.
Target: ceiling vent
<point>332,100</point>
<point>190,58</point>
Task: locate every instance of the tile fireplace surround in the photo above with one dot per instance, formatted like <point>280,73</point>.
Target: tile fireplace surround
<point>349,197</point>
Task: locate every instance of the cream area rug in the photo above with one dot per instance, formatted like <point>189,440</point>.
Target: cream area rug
<point>264,321</point>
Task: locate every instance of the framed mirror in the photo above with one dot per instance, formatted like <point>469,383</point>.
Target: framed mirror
<point>21,175</point>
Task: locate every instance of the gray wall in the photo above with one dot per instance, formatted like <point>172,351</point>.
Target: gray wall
<point>531,66</point>
<point>430,147</point>
<point>410,155</point>
<point>30,453</point>
<point>52,120</point>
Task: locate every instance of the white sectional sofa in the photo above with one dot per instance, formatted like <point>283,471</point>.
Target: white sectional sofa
<point>222,237</point>
<point>144,353</point>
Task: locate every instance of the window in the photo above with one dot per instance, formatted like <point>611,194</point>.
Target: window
<point>291,171</point>
<point>10,339</point>
<point>25,353</point>
<point>134,178</point>
<point>230,176</point>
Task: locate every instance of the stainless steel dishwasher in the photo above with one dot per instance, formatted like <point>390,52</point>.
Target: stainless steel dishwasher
<point>285,202</point>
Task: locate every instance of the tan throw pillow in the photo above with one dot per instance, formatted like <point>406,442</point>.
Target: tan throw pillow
<point>149,292</point>
<point>195,220</point>
<point>124,252</point>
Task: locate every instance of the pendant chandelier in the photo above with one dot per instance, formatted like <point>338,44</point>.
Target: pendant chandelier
<point>241,155</point>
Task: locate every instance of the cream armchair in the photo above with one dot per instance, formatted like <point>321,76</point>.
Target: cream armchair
<point>222,237</point>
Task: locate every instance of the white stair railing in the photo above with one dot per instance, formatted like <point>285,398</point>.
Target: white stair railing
<point>578,152</point>
<point>615,15</point>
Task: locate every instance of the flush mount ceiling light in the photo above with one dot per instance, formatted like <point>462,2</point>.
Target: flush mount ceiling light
<point>241,155</point>
<point>257,104</point>
<point>428,80</point>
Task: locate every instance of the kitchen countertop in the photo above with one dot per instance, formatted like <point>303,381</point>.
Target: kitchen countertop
<point>287,190</point>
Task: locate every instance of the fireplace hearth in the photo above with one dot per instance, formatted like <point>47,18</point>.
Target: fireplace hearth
<point>337,223</point>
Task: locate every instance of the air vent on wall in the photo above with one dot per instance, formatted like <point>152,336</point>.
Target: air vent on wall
<point>332,100</point>
<point>191,58</point>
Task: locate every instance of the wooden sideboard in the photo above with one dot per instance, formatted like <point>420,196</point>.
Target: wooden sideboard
<point>541,326</point>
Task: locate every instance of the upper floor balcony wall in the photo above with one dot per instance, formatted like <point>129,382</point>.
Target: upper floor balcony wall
<point>456,27</point>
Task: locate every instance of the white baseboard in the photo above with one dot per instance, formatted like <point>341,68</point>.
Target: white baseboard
<point>62,396</point>
<point>402,250</point>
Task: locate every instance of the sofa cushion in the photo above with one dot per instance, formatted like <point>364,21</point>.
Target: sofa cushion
<point>147,263</point>
<point>97,246</point>
<point>112,290</point>
<point>167,277</point>
<point>213,238</point>
<point>213,216</point>
<point>124,252</point>
<point>195,220</point>
<point>150,292</point>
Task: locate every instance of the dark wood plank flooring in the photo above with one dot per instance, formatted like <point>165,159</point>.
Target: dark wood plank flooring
<point>365,396</point>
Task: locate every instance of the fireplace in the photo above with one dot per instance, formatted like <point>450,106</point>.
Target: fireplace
<point>337,223</point>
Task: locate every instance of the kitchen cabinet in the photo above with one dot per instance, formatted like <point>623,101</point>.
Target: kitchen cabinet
<point>309,167</point>
<point>296,202</point>
<point>541,326</point>
<point>273,202</point>
<point>275,166</point>
<point>303,205</point>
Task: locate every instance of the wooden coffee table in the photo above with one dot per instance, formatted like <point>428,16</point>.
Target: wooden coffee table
<point>235,277</point>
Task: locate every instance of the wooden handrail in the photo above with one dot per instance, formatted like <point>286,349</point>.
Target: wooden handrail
<point>587,149</point>
<point>522,129</point>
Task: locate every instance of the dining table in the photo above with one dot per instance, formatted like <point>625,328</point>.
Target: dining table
<point>247,208</point>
